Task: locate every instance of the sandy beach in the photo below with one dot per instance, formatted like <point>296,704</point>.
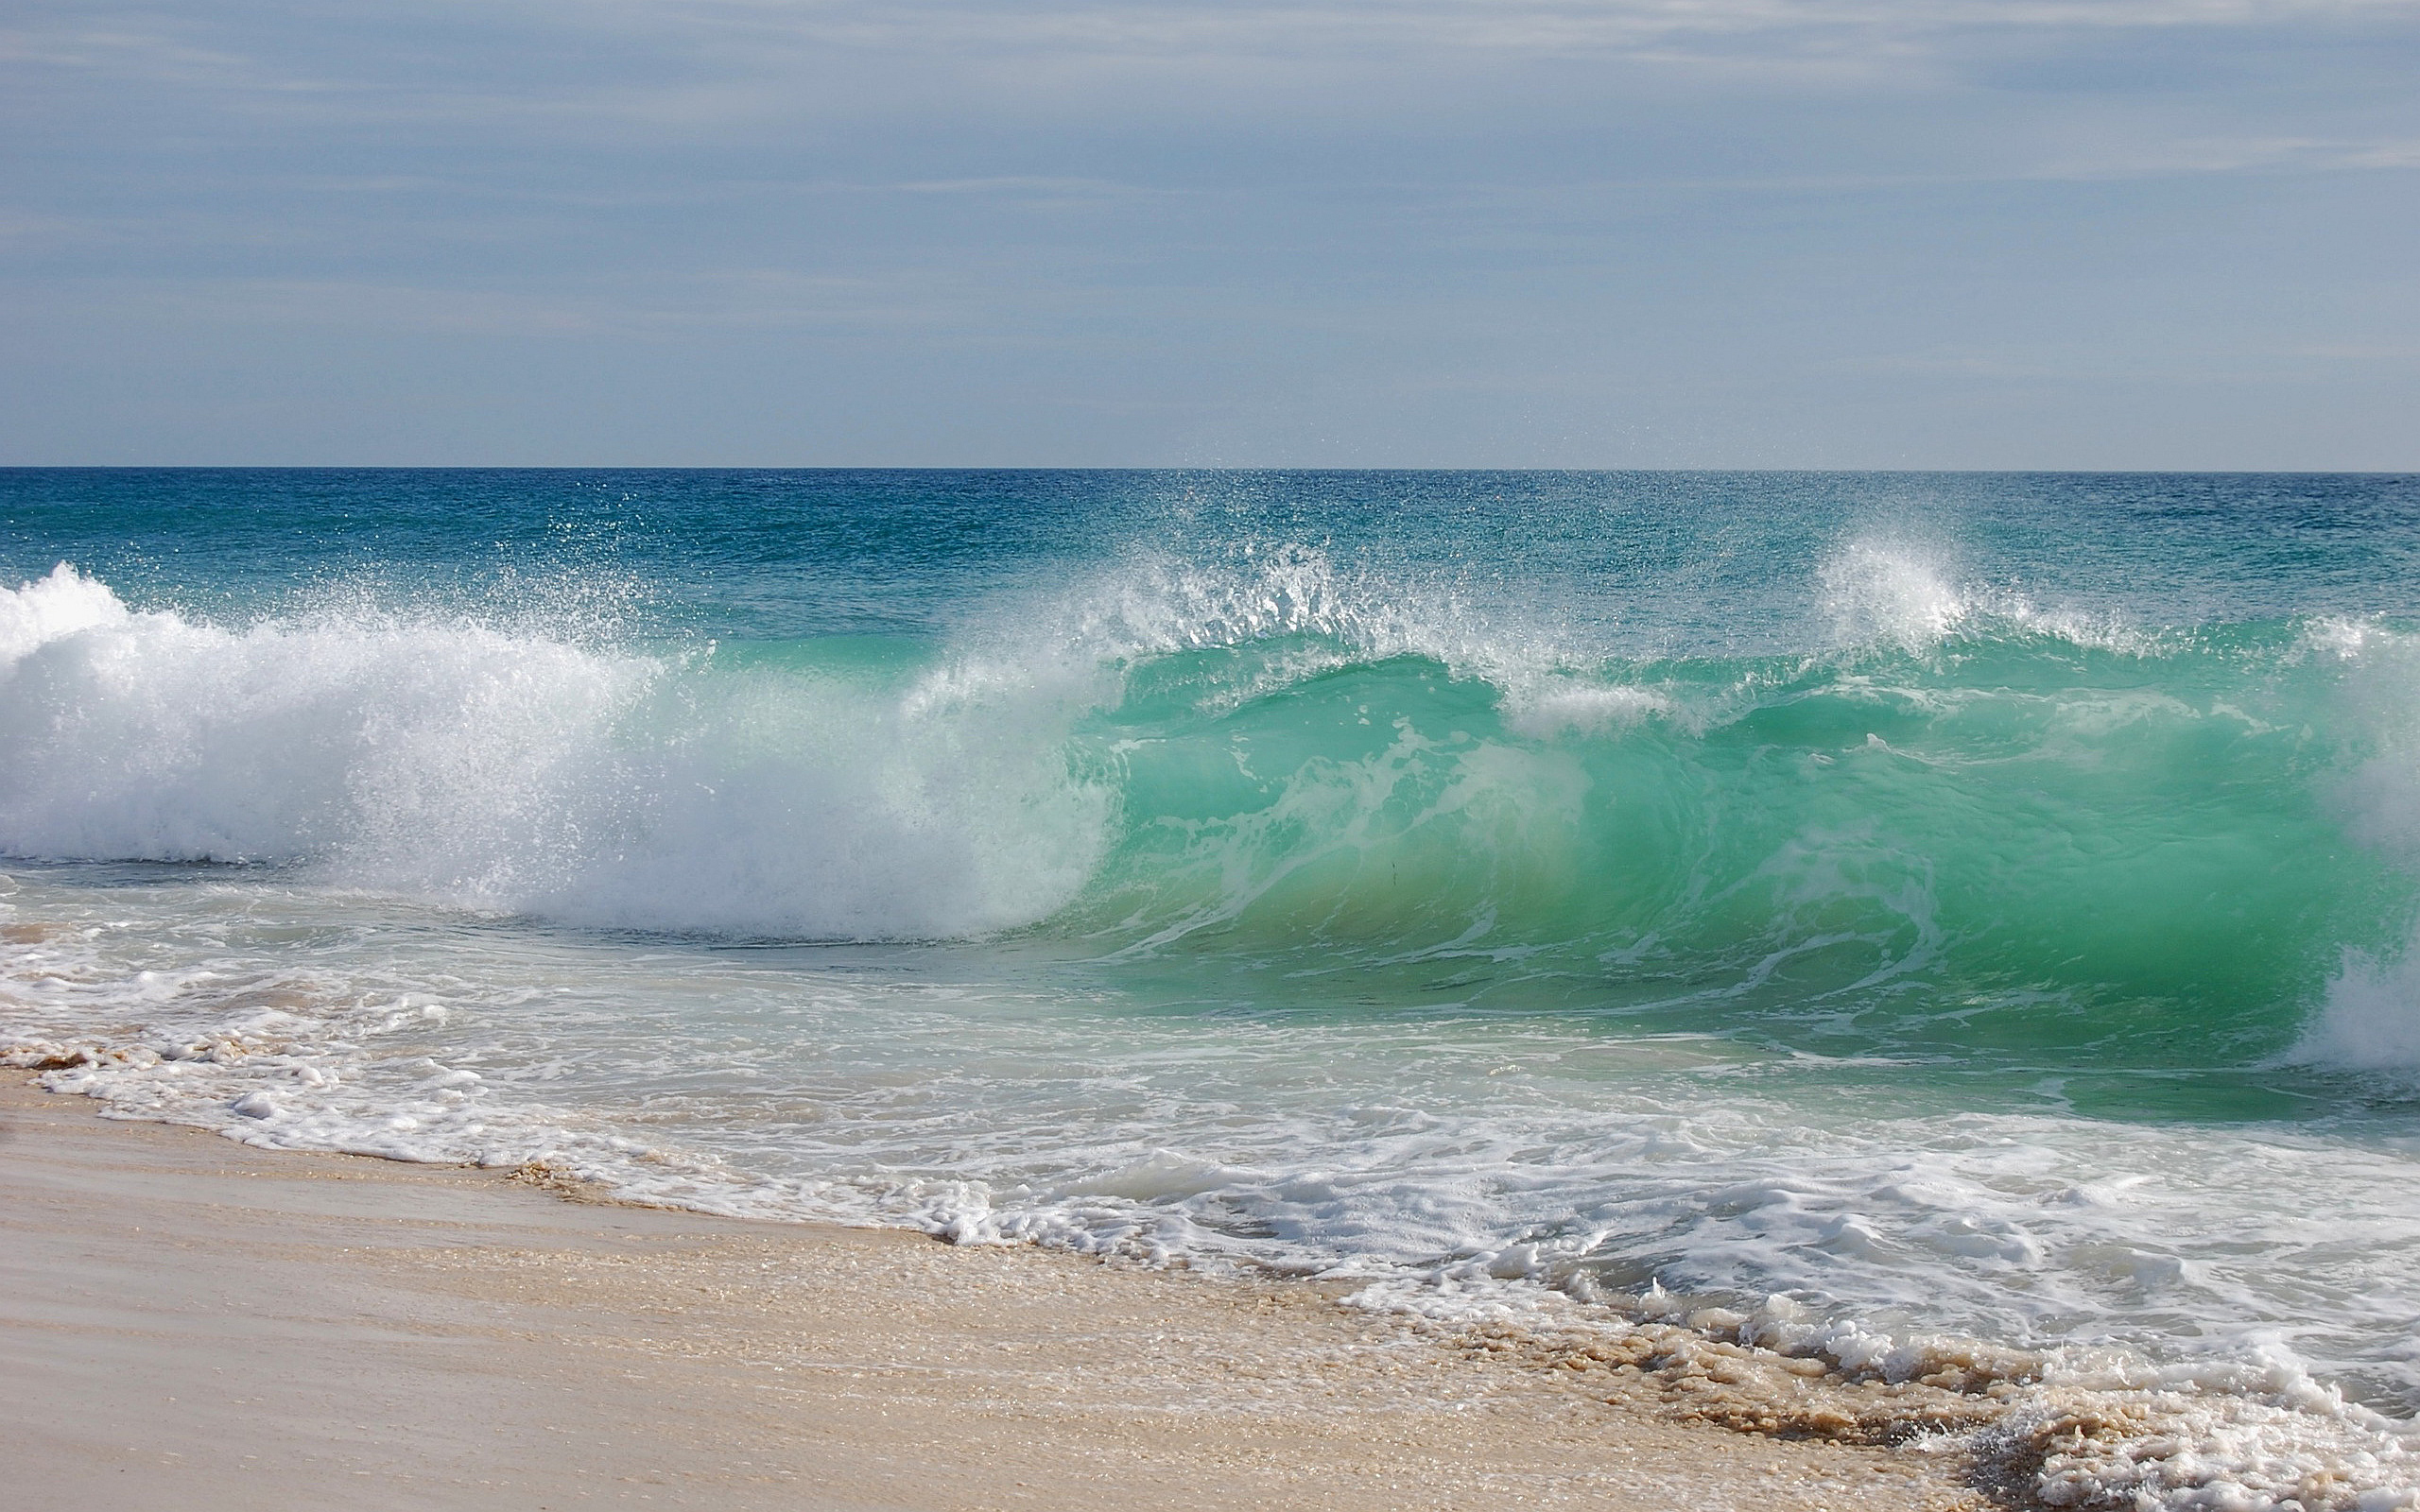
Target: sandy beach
<point>191,1323</point>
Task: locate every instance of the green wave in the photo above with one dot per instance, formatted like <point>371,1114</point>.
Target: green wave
<point>2011,843</point>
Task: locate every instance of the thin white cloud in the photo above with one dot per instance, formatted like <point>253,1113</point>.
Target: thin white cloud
<point>2217,363</point>
<point>664,306</point>
<point>1072,44</point>
<point>1039,191</point>
<point>117,51</point>
<point>1193,29</point>
<point>2234,155</point>
<point>734,38</point>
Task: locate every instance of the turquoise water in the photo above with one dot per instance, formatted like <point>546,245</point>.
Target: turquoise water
<point>1971,903</point>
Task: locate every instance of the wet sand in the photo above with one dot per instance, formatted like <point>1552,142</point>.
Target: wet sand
<point>189,1323</point>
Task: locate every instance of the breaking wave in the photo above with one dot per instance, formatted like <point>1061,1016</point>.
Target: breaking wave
<point>1961,822</point>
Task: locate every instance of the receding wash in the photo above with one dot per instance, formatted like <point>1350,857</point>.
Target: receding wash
<point>1903,912</point>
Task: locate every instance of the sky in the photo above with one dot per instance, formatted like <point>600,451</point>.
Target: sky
<point>1821,234</point>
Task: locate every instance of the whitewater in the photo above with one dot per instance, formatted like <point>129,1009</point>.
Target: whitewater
<point>1892,919</point>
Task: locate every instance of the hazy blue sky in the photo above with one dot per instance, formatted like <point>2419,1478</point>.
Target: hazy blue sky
<point>1358,232</point>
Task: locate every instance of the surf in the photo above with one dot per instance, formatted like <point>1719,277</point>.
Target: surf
<point>1968,832</point>
<point>1880,928</point>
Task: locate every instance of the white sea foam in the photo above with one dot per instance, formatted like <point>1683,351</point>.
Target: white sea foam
<point>508,770</point>
<point>2370,1020</point>
<point>1911,596</point>
<point>52,609</point>
<point>2371,1017</point>
<point>1305,611</point>
<point>1548,708</point>
<point>1894,592</point>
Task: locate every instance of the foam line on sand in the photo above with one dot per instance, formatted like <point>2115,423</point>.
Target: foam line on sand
<point>186,1322</point>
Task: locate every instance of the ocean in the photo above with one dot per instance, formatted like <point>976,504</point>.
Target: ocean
<point>1887,908</point>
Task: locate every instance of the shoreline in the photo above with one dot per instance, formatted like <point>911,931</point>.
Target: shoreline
<point>197,1323</point>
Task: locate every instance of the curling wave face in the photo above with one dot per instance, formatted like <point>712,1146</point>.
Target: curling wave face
<point>1909,956</point>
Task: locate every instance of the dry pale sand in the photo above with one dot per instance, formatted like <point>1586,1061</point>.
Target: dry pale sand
<point>188,1324</point>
